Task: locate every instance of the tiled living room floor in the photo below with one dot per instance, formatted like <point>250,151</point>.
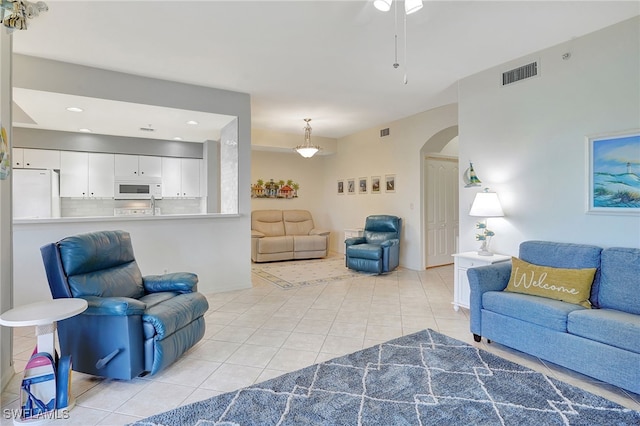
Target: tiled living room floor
<point>262,332</point>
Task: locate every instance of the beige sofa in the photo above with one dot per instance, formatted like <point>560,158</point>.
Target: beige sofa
<point>285,235</point>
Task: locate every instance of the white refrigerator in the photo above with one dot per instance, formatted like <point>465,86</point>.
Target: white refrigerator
<point>36,194</point>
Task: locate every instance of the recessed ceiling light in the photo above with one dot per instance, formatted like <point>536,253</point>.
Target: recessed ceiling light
<point>192,122</point>
<point>74,109</point>
<point>85,130</point>
<point>177,138</point>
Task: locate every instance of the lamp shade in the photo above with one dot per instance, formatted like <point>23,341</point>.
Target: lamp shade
<point>486,204</point>
<point>382,5</point>
<point>411,6</point>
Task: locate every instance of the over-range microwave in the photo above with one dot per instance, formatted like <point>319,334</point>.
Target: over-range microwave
<point>138,189</point>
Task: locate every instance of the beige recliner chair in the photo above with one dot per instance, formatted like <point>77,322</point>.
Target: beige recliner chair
<point>286,235</point>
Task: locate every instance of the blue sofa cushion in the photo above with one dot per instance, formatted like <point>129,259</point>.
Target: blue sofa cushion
<point>620,280</point>
<point>564,255</point>
<point>175,313</point>
<point>544,312</point>
<point>611,327</point>
<point>365,251</point>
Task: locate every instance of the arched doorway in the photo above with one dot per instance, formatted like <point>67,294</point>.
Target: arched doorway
<point>439,189</point>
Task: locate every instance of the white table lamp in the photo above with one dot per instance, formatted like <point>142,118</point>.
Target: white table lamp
<point>485,204</point>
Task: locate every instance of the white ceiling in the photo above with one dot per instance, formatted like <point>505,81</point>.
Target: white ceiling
<point>328,60</point>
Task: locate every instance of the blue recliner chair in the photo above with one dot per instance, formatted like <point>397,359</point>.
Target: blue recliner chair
<point>133,324</point>
<point>378,250</point>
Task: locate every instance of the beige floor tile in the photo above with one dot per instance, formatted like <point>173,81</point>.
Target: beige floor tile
<point>252,355</point>
<point>339,345</point>
<point>156,398</point>
<point>212,350</point>
<point>188,371</point>
<point>234,334</point>
<point>305,342</point>
<point>229,377</point>
<point>111,394</point>
<point>292,359</point>
<point>381,332</point>
<point>266,337</point>
<point>116,419</point>
<point>313,326</point>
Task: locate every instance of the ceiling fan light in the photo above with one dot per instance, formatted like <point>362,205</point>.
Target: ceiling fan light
<point>382,5</point>
<point>411,6</point>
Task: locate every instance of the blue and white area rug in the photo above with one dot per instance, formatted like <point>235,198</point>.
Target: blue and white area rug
<point>424,378</point>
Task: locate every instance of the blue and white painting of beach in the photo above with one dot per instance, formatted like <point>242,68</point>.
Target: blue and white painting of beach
<point>616,172</point>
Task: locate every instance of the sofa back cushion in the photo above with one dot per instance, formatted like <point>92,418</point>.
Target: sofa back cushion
<point>101,264</point>
<point>620,280</point>
<point>565,255</point>
<point>269,222</point>
<point>297,222</point>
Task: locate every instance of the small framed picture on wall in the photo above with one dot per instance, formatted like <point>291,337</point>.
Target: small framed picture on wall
<point>362,185</point>
<point>340,187</point>
<point>390,183</point>
<point>375,184</point>
<point>351,186</point>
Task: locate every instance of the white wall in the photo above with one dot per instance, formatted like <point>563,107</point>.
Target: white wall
<point>367,154</point>
<point>527,141</point>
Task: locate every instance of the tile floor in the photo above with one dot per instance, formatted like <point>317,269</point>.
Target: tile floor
<point>262,332</point>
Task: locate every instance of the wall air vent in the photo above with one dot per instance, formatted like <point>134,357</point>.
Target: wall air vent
<point>520,73</point>
<point>384,132</point>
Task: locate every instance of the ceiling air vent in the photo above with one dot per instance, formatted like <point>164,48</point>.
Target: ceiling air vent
<point>520,73</point>
<point>384,132</point>
<point>147,129</point>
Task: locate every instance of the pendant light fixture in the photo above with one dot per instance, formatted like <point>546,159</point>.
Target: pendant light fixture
<point>410,6</point>
<point>307,150</point>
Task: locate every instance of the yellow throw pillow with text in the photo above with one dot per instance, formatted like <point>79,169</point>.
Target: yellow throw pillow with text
<point>568,285</point>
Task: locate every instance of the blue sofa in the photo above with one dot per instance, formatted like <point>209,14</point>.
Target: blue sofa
<point>602,342</point>
<point>133,324</point>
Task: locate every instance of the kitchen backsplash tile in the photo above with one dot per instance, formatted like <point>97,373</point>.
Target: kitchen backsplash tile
<point>92,207</point>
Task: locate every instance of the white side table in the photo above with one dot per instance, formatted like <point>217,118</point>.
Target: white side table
<point>353,233</point>
<point>43,315</point>
<point>462,262</point>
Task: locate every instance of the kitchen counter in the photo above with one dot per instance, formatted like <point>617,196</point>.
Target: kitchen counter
<point>125,218</point>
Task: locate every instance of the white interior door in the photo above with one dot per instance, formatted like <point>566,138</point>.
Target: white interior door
<point>441,187</point>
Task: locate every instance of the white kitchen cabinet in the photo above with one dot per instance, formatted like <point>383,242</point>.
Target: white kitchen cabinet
<point>181,177</point>
<point>137,165</point>
<point>29,158</point>
<point>461,263</point>
<point>190,177</point>
<point>101,178</point>
<point>17,158</point>
<point>84,174</point>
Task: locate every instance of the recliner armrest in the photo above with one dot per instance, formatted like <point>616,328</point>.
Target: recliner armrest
<point>256,234</point>
<point>181,282</point>
<point>355,240</point>
<point>389,243</point>
<point>319,232</point>
<point>113,306</point>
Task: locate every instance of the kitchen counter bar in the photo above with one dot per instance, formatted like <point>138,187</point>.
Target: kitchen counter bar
<point>126,218</point>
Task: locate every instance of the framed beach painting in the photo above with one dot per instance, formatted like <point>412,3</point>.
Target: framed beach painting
<point>351,186</point>
<point>390,183</point>
<point>614,173</point>
<point>362,185</point>
<point>375,184</point>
